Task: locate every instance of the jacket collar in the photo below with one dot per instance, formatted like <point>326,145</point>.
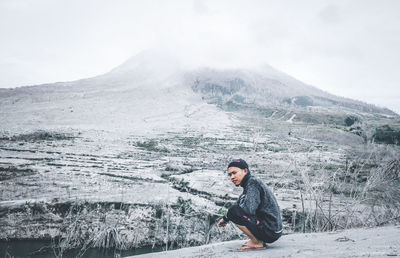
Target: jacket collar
<point>245,179</point>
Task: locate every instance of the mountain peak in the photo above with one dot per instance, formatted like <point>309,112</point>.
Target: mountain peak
<point>152,62</point>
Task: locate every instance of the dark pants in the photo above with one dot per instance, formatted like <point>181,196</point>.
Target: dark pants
<point>252,223</point>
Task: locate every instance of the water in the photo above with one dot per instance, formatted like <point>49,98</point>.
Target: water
<point>45,249</point>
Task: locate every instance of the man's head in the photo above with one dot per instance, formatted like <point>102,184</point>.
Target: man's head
<point>237,170</point>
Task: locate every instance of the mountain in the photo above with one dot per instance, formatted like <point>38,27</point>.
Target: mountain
<point>153,91</point>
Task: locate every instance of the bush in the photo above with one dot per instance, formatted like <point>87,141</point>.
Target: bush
<point>303,101</point>
<point>151,145</point>
<point>364,192</point>
<point>350,120</point>
<point>385,134</point>
<point>42,136</point>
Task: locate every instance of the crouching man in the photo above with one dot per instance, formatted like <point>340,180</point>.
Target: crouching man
<point>256,212</point>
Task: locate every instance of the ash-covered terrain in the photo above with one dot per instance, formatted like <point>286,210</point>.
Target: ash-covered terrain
<point>137,157</point>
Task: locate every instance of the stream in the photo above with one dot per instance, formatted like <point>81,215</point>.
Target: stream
<point>45,249</point>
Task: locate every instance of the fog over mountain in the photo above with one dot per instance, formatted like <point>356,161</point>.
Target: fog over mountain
<point>156,91</point>
<point>347,48</point>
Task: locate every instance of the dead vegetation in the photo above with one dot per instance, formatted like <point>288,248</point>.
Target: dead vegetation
<point>363,193</point>
<point>40,135</point>
<point>333,179</point>
<point>9,172</point>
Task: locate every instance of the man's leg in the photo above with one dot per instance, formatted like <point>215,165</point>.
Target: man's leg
<point>253,240</point>
<point>237,216</point>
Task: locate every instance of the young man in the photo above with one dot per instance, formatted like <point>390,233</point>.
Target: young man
<point>256,212</point>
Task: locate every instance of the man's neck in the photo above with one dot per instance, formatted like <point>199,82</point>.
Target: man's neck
<point>245,179</point>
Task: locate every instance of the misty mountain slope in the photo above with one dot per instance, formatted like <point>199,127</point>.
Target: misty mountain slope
<point>152,91</point>
<point>266,87</point>
<point>132,97</point>
<point>134,110</point>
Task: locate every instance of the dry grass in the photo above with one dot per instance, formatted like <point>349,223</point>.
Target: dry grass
<point>356,195</point>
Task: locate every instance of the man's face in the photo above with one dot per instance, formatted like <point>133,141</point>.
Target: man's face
<point>236,175</point>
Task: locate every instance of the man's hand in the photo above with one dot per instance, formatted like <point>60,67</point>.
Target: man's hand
<point>221,223</point>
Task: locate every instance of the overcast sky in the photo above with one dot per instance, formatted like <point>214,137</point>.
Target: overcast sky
<point>349,48</point>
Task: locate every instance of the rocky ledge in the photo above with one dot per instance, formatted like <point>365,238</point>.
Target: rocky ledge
<point>361,242</point>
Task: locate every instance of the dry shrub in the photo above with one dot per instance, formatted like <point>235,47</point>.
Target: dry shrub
<point>363,192</point>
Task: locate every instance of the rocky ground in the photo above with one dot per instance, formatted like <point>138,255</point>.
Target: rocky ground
<point>364,242</point>
<point>120,190</point>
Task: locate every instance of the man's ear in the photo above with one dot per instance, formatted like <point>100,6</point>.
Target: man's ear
<point>246,170</point>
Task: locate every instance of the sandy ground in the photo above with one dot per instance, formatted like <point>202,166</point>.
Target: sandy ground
<point>371,242</point>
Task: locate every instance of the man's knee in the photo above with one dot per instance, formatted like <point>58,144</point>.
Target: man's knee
<point>234,212</point>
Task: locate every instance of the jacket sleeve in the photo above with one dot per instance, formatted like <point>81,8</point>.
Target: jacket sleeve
<point>251,201</point>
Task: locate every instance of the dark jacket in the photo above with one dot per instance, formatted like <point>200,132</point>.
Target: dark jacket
<point>257,200</point>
